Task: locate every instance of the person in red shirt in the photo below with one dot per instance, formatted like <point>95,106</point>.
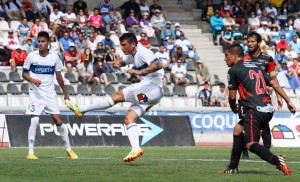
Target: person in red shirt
<point>17,58</point>
<point>295,67</point>
<point>281,44</point>
<point>97,21</point>
<point>27,10</point>
<point>144,41</point>
<point>36,28</point>
<point>71,58</point>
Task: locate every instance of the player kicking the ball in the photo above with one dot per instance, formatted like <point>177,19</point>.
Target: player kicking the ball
<point>39,70</point>
<point>142,95</point>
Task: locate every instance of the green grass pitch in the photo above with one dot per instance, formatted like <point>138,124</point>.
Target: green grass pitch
<point>157,164</point>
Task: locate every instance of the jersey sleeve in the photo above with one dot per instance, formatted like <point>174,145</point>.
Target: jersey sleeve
<point>271,65</point>
<point>27,62</point>
<point>232,79</point>
<point>148,57</point>
<point>128,59</point>
<point>58,63</point>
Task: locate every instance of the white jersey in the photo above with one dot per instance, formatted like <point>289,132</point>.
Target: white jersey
<point>141,60</point>
<point>43,69</point>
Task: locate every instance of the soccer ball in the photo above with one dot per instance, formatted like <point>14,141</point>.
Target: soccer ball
<point>191,54</point>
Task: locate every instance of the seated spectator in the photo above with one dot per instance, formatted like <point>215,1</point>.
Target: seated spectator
<point>169,46</point>
<point>146,25</point>
<point>158,22</point>
<point>287,32</point>
<point>177,31</point>
<point>187,47</point>
<point>178,54</point>
<point>205,95</point>
<point>87,55</point>
<point>100,52</point>
<point>80,5</point>
<point>163,57</point>
<point>65,42</point>
<point>56,19</point>
<point>282,44</point>
<point>4,54</point>
<point>80,43</point>
<point>244,45</point>
<point>88,30</point>
<point>3,11</point>
<point>91,43</point>
<point>237,34</point>
<point>280,58</point>
<point>283,12</point>
<point>290,54</point>
<point>28,46</point>
<point>71,57</point>
<point>144,41</point>
<point>156,6</point>
<point>227,20</point>
<point>275,33</point>
<point>297,24</point>
<point>295,67</point>
<point>221,96</point>
<point>225,7</point>
<point>11,42</point>
<point>55,4</point>
<point>216,25</point>
<point>257,9</point>
<point>109,58</point>
<point>208,11</point>
<point>23,31</point>
<point>286,77</point>
<point>17,58</point>
<point>265,34</point>
<point>28,10</point>
<point>81,19</point>
<point>43,9</point>
<point>85,72</point>
<point>104,7</point>
<point>13,9</point>
<point>238,13</point>
<point>178,73</point>
<point>271,10</point>
<point>65,4</point>
<point>202,73</point>
<point>264,18</point>
<point>107,42</point>
<point>143,7</point>
<point>100,73</point>
<point>70,17</point>
<point>97,21</point>
<point>128,6</point>
<point>133,23</point>
<point>36,28</point>
<point>112,22</point>
<point>253,22</point>
<point>61,30</point>
<point>167,31</point>
<point>54,46</point>
<point>296,44</point>
<point>226,37</point>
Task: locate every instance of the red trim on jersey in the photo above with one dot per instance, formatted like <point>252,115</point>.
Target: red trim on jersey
<point>243,91</point>
<point>251,126</point>
<point>246,57</point>
<point>270,67</point>
<point>266,99</point>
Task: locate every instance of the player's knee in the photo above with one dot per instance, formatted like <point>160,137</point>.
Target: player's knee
<point>248,145</point>
<point>238,130</point>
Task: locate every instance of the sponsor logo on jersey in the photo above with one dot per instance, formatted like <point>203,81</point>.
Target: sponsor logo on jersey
<point>42,69</point>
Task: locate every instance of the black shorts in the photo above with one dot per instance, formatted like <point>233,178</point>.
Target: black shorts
<point>254,121</point>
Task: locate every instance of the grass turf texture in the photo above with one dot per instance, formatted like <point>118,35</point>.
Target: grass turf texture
<point>157,164</point>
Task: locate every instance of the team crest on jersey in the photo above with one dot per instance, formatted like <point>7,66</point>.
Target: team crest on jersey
<point>142,98</point>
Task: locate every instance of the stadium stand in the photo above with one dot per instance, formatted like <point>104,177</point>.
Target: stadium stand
<point>97,90</point>
<point>25,88</point>
<point>71,77</point>
<point>15,77</point>
<point>3,77</point>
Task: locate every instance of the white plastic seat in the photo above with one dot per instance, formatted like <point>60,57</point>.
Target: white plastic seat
<point>115,38</point>
<point>178,102</point>
<point>123,29</point>
<point>99,38</point>
<point>14,25</point>
<point>191,91</point>
<point>166,102</point>
<point>4,26</point>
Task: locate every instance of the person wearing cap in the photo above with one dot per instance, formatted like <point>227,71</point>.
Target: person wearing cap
<point>133,23</point>
<point>157,22</point>
<point>287,32</point>
<point>167,31</point>
<point>107,42</point>
<point>265,18</point>
<point>111,22</point>
<point>146,43</point>
<point>205,95</point>
<point>208,11</point>
<point>237,34</point>
<point>226,37</point>
<point>295,44</point>
<point>17,58</point>
<point>282,44</point>
<point>177,31</point>
<point>71,57</point>
<point>216,25</point>
<point>275,33</point>
<point>202,73</point>
<point>85,71</point>
<point>265,34</point>
<point>156,6</point>
<point>146,25</point>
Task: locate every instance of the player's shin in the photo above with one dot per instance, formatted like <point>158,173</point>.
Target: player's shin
<point>264,153</point>
<point>64,133</point>
<point>133,135</point>
<point>237,148</point>
<point>105,103</point>
<point>32,133</point>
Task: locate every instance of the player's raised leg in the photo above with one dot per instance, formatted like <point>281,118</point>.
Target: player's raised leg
<point>64,133</point>
<point>31,137</point>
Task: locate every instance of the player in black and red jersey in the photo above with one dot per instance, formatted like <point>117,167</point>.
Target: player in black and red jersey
<point>255,109</point>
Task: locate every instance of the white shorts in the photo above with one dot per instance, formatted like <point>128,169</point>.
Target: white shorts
<point>142,96</point>
<point>38,103</point>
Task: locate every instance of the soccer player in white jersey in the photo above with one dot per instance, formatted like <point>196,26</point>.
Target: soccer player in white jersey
<point>142,95</point>
<point>39,70</point>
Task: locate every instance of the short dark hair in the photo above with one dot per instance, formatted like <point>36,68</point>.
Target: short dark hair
<point>282,49</point>
<point>44,34</point>
<point>130,37</point>
<point>236,49</point>
<point>221,84</point>
<point>256,35</point>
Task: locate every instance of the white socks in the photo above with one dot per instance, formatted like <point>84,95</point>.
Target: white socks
<point>63,131</point>
<point>32,133</point>
<point>103,104</point>
<point>133,135</point>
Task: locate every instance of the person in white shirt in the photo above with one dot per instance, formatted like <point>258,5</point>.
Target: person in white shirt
<point>144,7</point>
<point>179,74</point>
<point>40,69</point>
<point>265,34</point>
<point>297,24</point>
<point>142,95</point>
<point>41,8</point>
<point>55,18</point>
<point>272,11</point>
<point>221,96</point>
<point>290,54</point>
<point>253,22</point>
<point>13,9</point>
<point>187,47</point>
<point>70,17</point>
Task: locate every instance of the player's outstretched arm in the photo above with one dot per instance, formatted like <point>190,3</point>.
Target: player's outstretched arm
<point>60,81</point>
<point>281,92</point>
<point>150,69</point>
